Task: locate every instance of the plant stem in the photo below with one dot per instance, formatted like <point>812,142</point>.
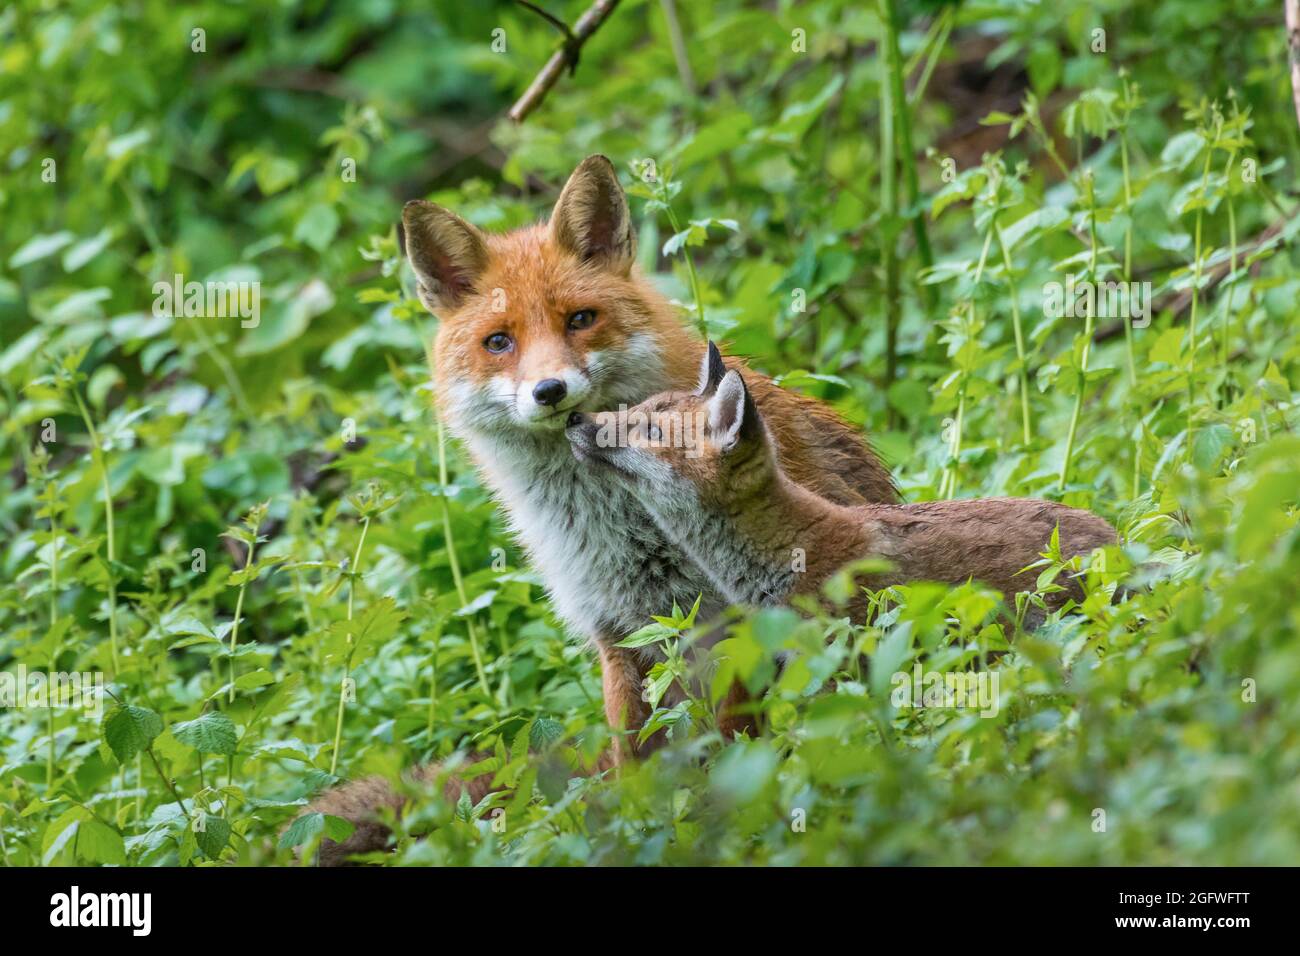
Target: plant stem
<point>343,684</point>
<point>157,766</point>
<point>503,691</point>
<point>306,607</point>
<point>1020,336</point>
<point>889,195</point>
<point>49,756</point>
<point>455,562</point>
<point>934,46</point>
<point>356,567</point>
<point>433,681</point>
<point>145,222</point>
<point>97,455</point>
<point>1128,250</point>
<point>1196,295</point>
<point>223,366</point>
<point>948,483</point>
<point>690,268</point>
<point>948,486</point>
<point>1087,338</point>
<point>1128,278</point>
<point>1128,321</point>
<point>1137,464</point>
<point>1232,267</point>
<point>902,116</point>
<point>239,611</point>
<point>54,617</point>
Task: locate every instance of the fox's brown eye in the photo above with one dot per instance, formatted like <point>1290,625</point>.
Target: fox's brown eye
<point>582,319</point>
<point>497,342</point>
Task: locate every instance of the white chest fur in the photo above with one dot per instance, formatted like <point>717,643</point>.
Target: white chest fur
<point>606,566</point>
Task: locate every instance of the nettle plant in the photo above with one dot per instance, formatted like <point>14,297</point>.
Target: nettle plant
<point>179,767</point>
<point>658,188</point>
<point>1203,173</point>
<point>978,286</point>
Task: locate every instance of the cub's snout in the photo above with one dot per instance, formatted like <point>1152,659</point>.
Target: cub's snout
<point>581,430</point>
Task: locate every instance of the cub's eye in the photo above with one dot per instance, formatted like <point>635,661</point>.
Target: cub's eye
<point>582,319</point>
<point>655,433</point>
<point>497,342</point>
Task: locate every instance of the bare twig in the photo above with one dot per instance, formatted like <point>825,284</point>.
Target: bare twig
<point>565,56</point>
<point>549,18</point>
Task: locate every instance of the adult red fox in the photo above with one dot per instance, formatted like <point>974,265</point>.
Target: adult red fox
<point>554,318</point>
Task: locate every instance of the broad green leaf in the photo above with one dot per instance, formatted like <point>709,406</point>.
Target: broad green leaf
<point>210,733</point>
<point>212,836</point>
<point>128,730</point>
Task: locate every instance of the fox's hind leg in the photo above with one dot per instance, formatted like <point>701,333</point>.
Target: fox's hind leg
<point>736,713</point>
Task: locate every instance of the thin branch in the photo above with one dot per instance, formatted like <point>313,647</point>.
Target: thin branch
<point>549,18</point>
<point>565,56</point>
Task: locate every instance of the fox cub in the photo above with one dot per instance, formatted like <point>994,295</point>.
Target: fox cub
<point>704,465</point>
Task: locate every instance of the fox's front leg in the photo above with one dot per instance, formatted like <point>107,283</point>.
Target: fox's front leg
<point>623,676</point>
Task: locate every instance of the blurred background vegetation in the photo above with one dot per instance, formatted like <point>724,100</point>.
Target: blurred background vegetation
<point>874,205</point>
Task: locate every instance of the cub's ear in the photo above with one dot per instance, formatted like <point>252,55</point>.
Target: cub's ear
<point>591,218</point>
<point>733,416</point>
<point>447,253</point>
<point>711,371</point>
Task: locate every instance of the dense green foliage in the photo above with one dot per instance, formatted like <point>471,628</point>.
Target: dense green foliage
<point>143,454</point>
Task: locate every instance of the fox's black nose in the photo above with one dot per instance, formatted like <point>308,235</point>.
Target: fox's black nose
<point>575,418</point>
<point>549,391</point>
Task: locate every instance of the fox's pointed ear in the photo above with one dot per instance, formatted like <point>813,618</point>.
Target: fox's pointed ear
<point>447,253</point>
<point>733,416</point>
<point>711,371</point>
<point>591,218</point>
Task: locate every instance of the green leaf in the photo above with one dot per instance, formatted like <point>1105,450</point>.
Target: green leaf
<point>797,117</point>
<point>128,730</point>
<point>60,833</point>
<point>679,240</point>
<point>214,835</point>
<point>87,249</point>
<point>210,733</point>
<point>544,732</point>
<point>318,226</point>
<point>351,641</point>
<point>889,658</point>
<point>39,247</point>
<point>718,137</point>
<point>744,770</point>
<point>337,828</point>
<point>650,634</point>
<point>1182,149</point>
<point>97,842</point>
<point>309,826</point>
<point>305,828</point>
